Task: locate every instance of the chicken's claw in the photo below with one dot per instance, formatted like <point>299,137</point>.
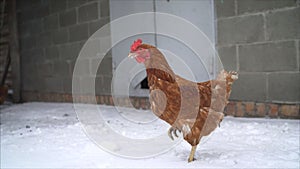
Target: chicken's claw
<point>173,131</point>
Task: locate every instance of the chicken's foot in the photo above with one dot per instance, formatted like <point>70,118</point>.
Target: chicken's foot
<point>173,131</point>
<point>191,157</point>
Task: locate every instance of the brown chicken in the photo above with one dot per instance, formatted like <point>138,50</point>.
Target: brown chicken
<point>194,109</point>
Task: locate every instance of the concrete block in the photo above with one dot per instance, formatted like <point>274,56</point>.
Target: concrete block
<point>57,5</point>
<point>50,22</point>
<point>98,85</point>
<point>44,39</point>
<point>88,12</point>
<point>250,6</point>
<point>70,51</point>
<point>284,87</point>
<point>27,43</point>
<point>283,24</point>
<point>51,53</point>
<point>61,69</point>
<point>53,84</point>
<point>41,11</point>
<point>67,85</point>
<point>37,55</point>
<point>228,57</point>
<point>82,67</point>
<point>104,68</point>
<point>91,49</point>
<point>104,8</point>
<point>75,3</point>
<point>78,32</point>
<point>45,69</point>
<point>96,25</point>
<point>86,84</point>
<point>106,84</point>
<point>240,30</point>
<point>250,87</point>
<point>26,15</point>
<point>36,26</point>
<point>68,18</point>
<point>280,56</point>
<point>60,36</point>
<point>225,8</point>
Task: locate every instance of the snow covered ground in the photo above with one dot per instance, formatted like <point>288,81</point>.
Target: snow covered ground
<point>49,135</point>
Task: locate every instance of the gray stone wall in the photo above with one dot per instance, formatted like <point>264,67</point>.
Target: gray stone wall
<point>260,40</point>
<point>52,32</point>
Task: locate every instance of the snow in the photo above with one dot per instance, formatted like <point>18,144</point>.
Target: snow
<point>49,135</point>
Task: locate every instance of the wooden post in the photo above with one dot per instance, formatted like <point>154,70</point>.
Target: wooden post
<point>14,51</point>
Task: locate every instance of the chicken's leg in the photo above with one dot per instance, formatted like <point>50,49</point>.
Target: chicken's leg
<point>191,157</point>
<point>172,131</point>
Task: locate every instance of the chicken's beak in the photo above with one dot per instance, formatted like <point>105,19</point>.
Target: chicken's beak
<point>132,55</point>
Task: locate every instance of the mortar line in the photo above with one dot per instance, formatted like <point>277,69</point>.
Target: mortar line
<point>265,26</point>
<point>267,85</point>
<point>237,58</point>
<point>259,13</point>
<point>258,43</point>
<point>297,54</point>
<point>235,8</point>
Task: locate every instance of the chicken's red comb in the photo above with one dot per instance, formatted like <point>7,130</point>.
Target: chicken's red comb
<point>136,44</point>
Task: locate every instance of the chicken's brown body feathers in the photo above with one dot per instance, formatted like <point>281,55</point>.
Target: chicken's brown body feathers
<point>196,109</point>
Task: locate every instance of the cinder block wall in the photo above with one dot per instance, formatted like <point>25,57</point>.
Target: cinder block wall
<point>257,38</point>
<point>260,40</point>
<point>52,32</point>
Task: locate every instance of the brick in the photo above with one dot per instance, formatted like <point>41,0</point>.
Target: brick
<point>284,87</point>
<point>290,111</point>
<point>88,12</point>
<point>50,22</point>
<point>78,32</point>
<point>69,51</point>
<point>250,87</point>
<point>75,3</point>
<point>230,109</point>
<point>250,109</point>
<point>261,109</point>
<point>283,24</point>
<point>239,109</point>
<point>273,110</point>
<point>249,6</point>
<point>57,5</point>
<point>96,25</point>
<point>60,36</point>
<point>225,8</point>
<point>240,30</point>
<point>228,57</point>
<point>280,56</point>
<point>104,8</point>
<point>44,39</point>
<point>51,53</point>
<point>68,18</point>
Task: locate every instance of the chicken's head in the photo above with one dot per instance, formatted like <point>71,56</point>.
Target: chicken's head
<point>139,51</point>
